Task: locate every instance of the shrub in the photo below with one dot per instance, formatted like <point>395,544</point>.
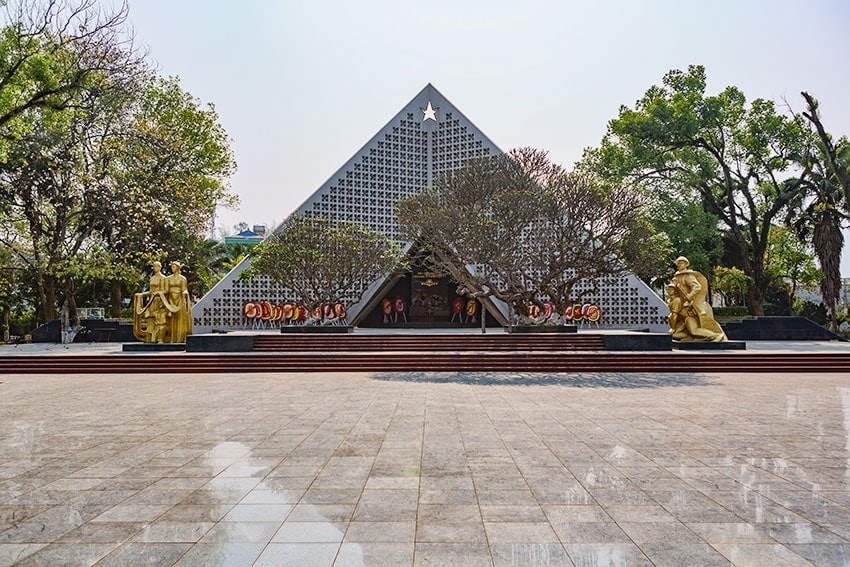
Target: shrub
<point>731,311</point>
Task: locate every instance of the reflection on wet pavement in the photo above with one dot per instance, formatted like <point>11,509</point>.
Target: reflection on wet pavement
<point>425,469</point>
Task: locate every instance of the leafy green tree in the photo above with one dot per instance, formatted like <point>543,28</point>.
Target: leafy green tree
<point>205,264</point>
<point>789,258</point>
<point>118,170</point>
<point>673,227</point>
<point>43,202</point>
<point>519,228</point>
<point>14,289</point>
<point>735,159</point>
<point>648,252</point>
<point>324,261</point>
<point>56,59</point>
<point>233,256</point>
<point>691,230</point>
<point>51,51</point>
<point>731,283</point>
<point>169,173</point>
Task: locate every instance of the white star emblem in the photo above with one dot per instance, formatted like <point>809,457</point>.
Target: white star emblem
<point>430,112</point>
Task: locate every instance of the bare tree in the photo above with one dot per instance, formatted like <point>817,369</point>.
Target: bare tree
<point>519,228</point>
<point>323,261</point>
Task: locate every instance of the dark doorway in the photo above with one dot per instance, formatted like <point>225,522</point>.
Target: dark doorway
<point>425,298</point>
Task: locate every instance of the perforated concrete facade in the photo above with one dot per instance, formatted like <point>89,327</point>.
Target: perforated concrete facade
<point>428,137</point>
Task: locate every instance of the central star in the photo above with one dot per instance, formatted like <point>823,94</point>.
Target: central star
<point>430,112</point>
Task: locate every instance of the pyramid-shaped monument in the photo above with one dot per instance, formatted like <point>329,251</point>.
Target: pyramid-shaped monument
<point>425,139</point>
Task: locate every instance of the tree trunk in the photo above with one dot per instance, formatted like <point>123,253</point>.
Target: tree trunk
<point>4,323</point>
<point>755,299</point>
<point>756,292</point>
<point>47,299</point>
<point>71,301</point>
<point>115,299</point>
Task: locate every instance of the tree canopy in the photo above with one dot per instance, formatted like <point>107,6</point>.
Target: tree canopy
<point>103,165</point>
<point>736,159</point>
<point>51,52</point>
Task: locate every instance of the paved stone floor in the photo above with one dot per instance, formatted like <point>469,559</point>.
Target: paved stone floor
<point>425,469</point>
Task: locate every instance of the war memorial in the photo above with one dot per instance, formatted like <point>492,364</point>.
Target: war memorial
<point>426,138</point>
<point>416,439</point>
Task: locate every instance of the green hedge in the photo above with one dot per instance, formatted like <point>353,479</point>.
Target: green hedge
<point>733,311</point>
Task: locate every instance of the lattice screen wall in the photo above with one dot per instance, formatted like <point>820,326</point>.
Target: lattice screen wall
<point>413,148</point>
<point>626,302</point>
<point>368,192</point>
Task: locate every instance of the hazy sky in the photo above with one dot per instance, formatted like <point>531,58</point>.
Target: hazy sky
<point>301,86</point>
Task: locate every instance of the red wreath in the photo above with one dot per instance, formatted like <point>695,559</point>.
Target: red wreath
<point>457,306</point>
<point>250,309</point>
<point>399,305</point>
<point>265,310</point>
<point>577,312</point>
<point>591,312</point>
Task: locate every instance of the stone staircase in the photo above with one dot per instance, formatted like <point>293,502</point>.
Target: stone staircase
<point>501,342</point>
<point>381,353</point>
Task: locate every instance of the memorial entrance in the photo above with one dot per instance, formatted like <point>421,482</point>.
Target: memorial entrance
<point>426,298</point>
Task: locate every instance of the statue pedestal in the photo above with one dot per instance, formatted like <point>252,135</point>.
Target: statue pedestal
<point>708,345</point>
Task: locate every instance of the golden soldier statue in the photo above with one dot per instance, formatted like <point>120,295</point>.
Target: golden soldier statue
<point>691,317</point>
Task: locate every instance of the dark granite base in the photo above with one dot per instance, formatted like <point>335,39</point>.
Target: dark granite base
<point>316,329</point>
<point>543,329</point>
<point>638,341</point>
<point>777,329</point>
<point>708,345</point>
<point>153,347</point>
<point>220,342</point>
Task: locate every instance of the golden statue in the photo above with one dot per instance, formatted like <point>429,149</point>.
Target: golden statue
<point>691,317</point>
<point>163,314</point>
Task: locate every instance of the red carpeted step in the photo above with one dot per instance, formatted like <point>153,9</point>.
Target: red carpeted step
<point>383,343</point>
<point>465,361</point>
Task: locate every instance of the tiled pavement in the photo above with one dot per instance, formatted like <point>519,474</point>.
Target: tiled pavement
<point>425,469</point>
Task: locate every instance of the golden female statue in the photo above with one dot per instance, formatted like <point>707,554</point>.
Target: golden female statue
<point>163,314</point>
<point>181,307</point>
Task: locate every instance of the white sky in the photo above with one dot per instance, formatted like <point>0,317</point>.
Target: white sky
<point>300,86</point>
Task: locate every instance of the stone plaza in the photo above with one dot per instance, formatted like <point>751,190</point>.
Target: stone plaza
<point>425,469</point>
